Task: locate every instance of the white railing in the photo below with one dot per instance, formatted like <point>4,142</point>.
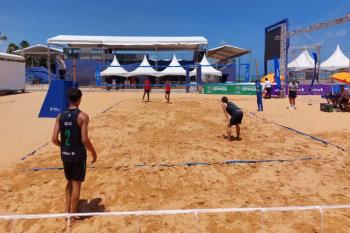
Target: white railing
<point>196,212</point>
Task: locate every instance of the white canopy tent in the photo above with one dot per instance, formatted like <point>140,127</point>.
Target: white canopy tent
<point>174,68</point>
<point>115,69</point>
<point>303,62</point>
<point>206,68</point>
<point>144,69</point>
<point>336,61</point>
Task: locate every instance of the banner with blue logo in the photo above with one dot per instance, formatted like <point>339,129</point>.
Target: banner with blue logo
<point>56,101</point>
<point>277,74</point>
<point>247,73</point>
<point>199,75</point>
<point>98,76</point>
<point>314,77</point>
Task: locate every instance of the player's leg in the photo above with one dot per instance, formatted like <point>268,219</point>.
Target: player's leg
<point>294,102</point>
<point>76,185</point>
<point>68,195</point>
<point>238,131</point>
<point>143,97</point>
<point>229,132</point>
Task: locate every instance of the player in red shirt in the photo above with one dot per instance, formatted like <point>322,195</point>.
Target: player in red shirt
<point>146,89</point>
<point>167,91</point>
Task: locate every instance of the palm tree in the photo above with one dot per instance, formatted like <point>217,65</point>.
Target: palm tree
<point>12,47</point>
<point>24,44</point>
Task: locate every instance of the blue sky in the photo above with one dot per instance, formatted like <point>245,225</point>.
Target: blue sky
<point>237,22</point>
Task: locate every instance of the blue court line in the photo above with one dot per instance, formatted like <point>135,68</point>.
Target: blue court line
<point>188,164</point>
<point>302,133</point>
<point>109,108</point>
<point>34,151</point>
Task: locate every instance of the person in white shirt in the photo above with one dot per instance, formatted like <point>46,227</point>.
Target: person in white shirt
<point>61,67</point>
<point>293,88</point>
<point>268,88</point>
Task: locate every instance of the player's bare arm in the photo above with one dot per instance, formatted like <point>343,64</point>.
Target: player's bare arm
<point>83,121</point>
<point>225,111</point>
<point>56,131</point>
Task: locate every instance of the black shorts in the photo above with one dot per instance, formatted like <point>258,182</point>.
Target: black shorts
<point>292,94</point>
<point>236,119</point>
<point>62,74</point>
<point>167,92</point>
<point>147,91</point>
<point>268,90</point>
<point>75,170</point>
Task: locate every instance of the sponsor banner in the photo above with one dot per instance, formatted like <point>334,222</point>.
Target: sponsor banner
<point>230,89</point>
<point>304,89</point>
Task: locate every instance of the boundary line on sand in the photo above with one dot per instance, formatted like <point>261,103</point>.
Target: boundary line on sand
<point>196,212</point>
<point>175,212</point>
<point>301,133</point>
<point>186,164</point>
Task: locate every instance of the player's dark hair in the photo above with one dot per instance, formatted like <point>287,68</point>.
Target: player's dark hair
<point>74,94</point>
<point>224,99</point>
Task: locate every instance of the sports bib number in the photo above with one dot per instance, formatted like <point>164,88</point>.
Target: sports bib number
<point>67,134</point>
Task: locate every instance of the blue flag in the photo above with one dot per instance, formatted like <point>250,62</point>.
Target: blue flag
<point>56,101</point>
<point>277,74</point>
<point>97,76</point>
<point>314,77</point>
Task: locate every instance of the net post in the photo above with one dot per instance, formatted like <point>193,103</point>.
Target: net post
<point>188,80</point>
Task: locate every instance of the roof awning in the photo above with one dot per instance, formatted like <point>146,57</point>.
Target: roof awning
<point>131,42</point>
<point>10,57</point>
<point>37,49</point>
<point>226,52</point>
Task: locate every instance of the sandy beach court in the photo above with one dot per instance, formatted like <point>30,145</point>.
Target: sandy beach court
<point>187,130</point>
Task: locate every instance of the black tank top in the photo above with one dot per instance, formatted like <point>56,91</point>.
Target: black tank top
<point>232,109</point>
<point>72,148</point>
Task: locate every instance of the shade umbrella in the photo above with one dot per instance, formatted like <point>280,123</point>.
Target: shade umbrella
<point>271,78</point>
<point>343,77</point>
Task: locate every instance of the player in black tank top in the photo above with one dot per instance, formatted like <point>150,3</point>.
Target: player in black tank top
<point>72,124</point>
<point>234,115</point>
<point>72,148</point>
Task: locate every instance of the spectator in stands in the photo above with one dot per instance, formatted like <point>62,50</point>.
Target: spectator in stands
<point>133,83</point>
<point>342,97</point>
<point>61,67</point>
<point>268,88</point>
